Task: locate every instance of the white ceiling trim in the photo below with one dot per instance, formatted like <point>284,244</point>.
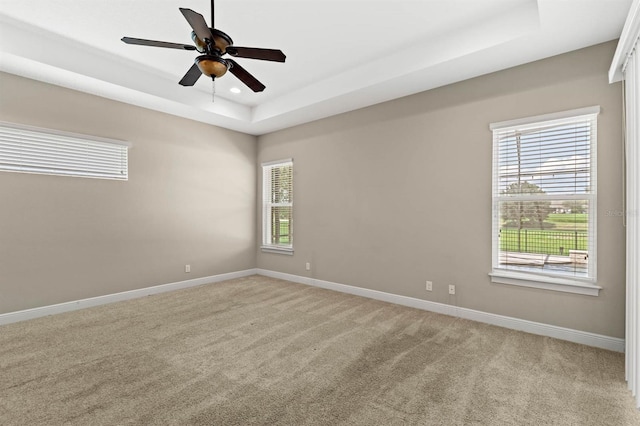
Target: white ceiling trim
<point>507,34</point>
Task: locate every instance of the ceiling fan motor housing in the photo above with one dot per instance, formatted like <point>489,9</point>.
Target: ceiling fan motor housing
<point>219,43</point>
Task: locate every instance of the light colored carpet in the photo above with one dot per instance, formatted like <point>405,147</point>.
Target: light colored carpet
<point>262,351</point>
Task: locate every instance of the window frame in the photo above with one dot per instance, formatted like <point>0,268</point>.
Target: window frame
<point>537,279</point>
<point>267,208</point>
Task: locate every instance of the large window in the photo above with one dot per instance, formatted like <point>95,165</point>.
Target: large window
<point>544,201</point>
<point>277,206</point>
<point>29,149</point>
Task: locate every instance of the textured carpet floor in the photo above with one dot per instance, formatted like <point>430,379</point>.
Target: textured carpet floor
<point>262,351</point>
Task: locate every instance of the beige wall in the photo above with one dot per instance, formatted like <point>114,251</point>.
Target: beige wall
<point>190,199</point>
<point>386,197</point>
<point>395,194</point>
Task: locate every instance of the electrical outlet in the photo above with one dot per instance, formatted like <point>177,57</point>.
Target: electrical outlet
<point>429,286</point>
<point>307,266</point>
<point>452,289</point>
<point>187,268</point>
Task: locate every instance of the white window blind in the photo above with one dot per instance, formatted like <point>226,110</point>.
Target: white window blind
<point>277,224</point>
<point>34,150</point>
<point>544,196</point>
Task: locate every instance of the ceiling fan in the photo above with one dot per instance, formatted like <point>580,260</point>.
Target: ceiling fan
<point>213,44</point>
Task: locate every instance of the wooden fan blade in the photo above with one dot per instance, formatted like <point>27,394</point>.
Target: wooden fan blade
<point>191,76</point>
<point>244,76</point>
<point>155,43</point>
<point>197,22</point>
<point>275,55</point>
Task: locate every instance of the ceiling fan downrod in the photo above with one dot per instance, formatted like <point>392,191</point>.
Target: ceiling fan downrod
<point>213,24</point>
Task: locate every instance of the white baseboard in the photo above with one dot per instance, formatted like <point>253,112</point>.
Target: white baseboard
<point>75,305</point>
<point>582,337</point>
<point>576,336</point>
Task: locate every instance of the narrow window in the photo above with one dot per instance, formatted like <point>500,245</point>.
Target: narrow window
<point>544,201</point>
<point>34,150</point>
<point>277,206</point>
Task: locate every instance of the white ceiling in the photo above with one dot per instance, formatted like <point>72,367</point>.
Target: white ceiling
<point>341,55</point>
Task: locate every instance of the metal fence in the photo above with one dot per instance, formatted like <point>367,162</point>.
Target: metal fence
<point>542,241</point>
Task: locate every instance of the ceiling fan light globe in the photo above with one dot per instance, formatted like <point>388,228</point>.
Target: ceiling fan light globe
<point>200,45</point>
<point>212,66</point>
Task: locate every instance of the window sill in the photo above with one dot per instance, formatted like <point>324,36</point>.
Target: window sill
<point>565,285</point>
<point>277,250</point>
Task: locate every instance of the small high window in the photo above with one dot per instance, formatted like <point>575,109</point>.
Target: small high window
<point>29,149</point>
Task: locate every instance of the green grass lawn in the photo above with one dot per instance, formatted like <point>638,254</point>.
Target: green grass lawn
<point>570,221</point>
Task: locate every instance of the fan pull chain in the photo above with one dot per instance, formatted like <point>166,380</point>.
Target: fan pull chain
<point>213,90</point>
